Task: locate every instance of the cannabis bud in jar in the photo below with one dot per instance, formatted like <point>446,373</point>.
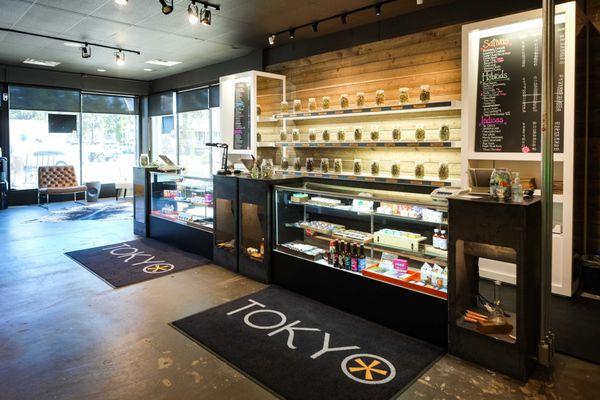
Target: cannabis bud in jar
<point>325,103</point>
<point>396,134</point>
<point>419,170</point>
<point>360,99</point>
<point>341,135</point>
<point>403,91</point>
<point>344,102</point>
<point>325,135</point>
<point>380,97</point>
<point>395,170</point>
<point>444,132</point>
<point>425,94</point>
<point>324,165</point>
<point>357,168</point>
<point>337,166</point>
<point>420,133</point>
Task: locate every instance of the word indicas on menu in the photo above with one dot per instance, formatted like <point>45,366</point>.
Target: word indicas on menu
<point>241,117</point>
<point>509,92</point>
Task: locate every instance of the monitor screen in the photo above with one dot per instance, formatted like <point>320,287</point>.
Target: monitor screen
<point>62,123</point>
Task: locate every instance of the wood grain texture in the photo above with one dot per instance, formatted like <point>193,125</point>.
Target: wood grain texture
<point>431,58</point>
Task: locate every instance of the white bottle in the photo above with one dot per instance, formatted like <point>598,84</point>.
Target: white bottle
<point>436,238</point>
<point>443,241</point>
<point>517,189</point>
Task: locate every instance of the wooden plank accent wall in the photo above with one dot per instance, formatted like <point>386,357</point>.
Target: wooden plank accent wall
<point>426,58</point>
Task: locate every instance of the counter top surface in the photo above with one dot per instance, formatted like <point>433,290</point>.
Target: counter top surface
<point>489,200</point>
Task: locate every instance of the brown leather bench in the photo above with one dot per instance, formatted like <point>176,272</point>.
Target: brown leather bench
<point>58,179</point>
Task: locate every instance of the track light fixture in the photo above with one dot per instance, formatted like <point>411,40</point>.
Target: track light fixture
<point>342,16</point>
<point>121,2</point>
<point>205,16</point>
<point>193,13</point>
<point>120,58</point>
<point>86,51</point>
<point>167,6</point>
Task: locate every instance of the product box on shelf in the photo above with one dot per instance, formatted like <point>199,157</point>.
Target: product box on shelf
<point>398,239</point>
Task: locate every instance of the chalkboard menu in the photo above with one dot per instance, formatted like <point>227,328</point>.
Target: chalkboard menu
<point>509,92</point>
<point>241,117</point>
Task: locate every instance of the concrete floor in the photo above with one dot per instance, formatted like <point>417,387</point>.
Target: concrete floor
<point>65,334</point>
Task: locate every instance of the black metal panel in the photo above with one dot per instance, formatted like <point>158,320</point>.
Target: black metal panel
<point>141,199</point>
<point>183,237</point>
<point>415,314</point>
<point>225,189</point>
<point>497,225</point>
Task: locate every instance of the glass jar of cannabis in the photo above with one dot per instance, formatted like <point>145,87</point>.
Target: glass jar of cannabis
<point>341,135</point>
<point>312,134</point>
<point>258,110</point>
<point>380,97</point>
<point>297,105</point>
<point>297,164</point>
<point>420,133</point>
<point>266,168</point>
<point>283,136</point>
<point>344,102</point>
<point>284,107</point>
<point>403,95</point>
<point>444,132</point>
<point>284,163</point>
<point>310,164</point>
<point>358,133</point>
<point>325,135</point>
<point>258,137</point>
<point>324,165</point>
<point>425,94</point>
<point>375,133</point>
<point>396,134</point>
<point>357,166</point>
<point>295,135</point>
<point>395,169</point>
<point>375,167</point>
<point>338,166</point>
<point>325,103</point>
<point>312,104</point>
<point>360,99</point>
<point>419,170</point>
<point>443,171</point>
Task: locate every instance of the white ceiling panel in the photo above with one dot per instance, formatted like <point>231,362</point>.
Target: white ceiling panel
<point>238,28</point>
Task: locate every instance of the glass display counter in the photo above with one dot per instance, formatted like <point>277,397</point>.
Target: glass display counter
<point>397,238</point>
<point>182,199</point>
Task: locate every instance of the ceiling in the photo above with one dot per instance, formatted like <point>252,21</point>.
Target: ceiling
<point>238,28</point>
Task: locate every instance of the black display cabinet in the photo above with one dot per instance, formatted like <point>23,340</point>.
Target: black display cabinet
<point>503,231</point>
<point>226,211</point>
<point>141,200</point>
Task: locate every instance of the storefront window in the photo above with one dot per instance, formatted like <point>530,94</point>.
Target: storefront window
<point>38,139</point>
<point>194,133</point>
<point>95,133</point>
<point>108,147</point>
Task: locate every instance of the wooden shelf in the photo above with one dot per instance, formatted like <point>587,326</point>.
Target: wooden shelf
<point>373,111</point>
<point>427,181</point>
<point>336,145</point>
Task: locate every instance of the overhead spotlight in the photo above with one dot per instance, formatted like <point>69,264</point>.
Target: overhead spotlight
<point>193,13</point>
<point>272,40</point>
<point>315,26</point>
<point>205,17</point>
<point>120,58</point>
<point>121,2</point>
<point>167,6</point>
<point>344,18</point>
<point>378,9</point>
<point>86,51</point>
<point>292,33</point>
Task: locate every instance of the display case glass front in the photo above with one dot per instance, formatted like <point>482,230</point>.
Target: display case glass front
<point>398,238</point>
<point>183,199</point>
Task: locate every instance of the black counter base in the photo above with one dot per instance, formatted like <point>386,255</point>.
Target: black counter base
<point>183,237</point>
<point>415,314</point>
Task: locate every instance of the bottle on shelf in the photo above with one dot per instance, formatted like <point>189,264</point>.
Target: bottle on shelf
<point>342,255</point>
<point>354,258</point>
<point>336,254</point>
<point>362,259</point>
<point>436,238</point>
<point>331,252</point>
<point>348,260</point>
<point>517,189</point>
<point>443,241</point>
<point>262,247</point>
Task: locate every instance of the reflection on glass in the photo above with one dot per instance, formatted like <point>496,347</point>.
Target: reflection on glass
<point>253,236</point>
<point>164,137</point>
<point>224,233</point>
